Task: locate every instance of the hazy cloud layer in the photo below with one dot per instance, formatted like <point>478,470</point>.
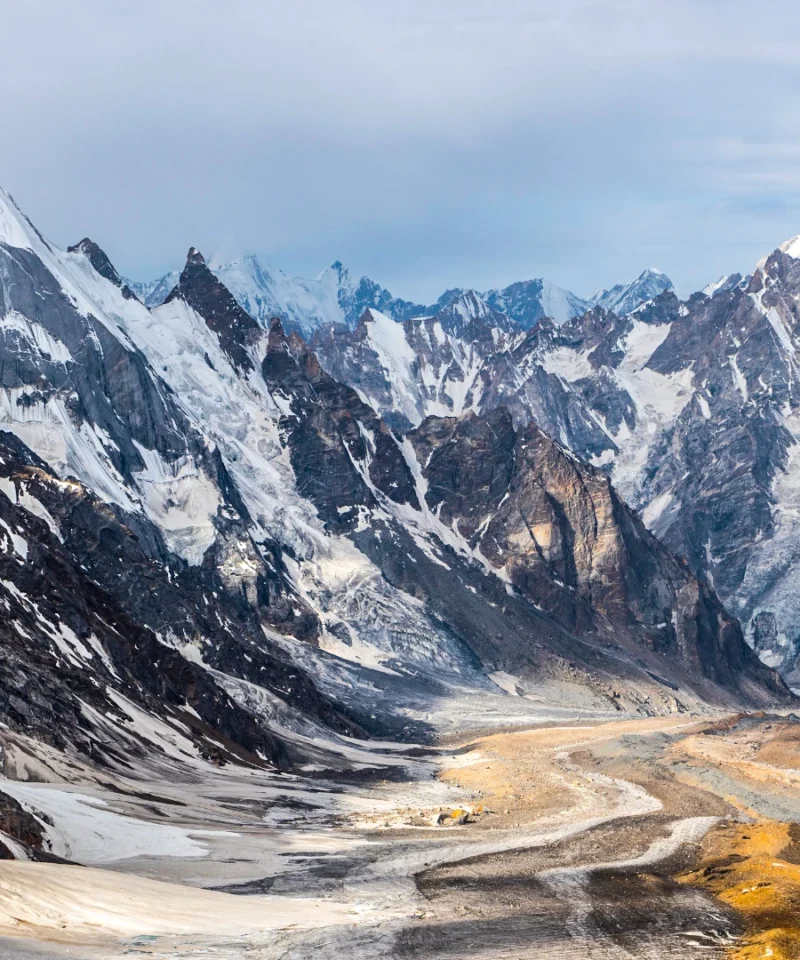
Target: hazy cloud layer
<point>428,144</point>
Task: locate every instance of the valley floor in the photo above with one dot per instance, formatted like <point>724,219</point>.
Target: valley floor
<point>640,838</point>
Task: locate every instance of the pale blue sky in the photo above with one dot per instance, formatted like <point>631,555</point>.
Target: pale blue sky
<point>428,144</point>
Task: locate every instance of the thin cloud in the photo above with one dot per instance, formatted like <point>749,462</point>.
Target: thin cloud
<point>427,144</point>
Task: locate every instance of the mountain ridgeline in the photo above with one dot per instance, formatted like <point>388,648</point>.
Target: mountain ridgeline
<point>222,538</point>
<point>337,297</point>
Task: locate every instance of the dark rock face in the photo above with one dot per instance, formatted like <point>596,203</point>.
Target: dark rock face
<point>236,329</point>
<point>563,537</point>
<point>340,449</point>
<point>17,823</point>
<point>469,463</point>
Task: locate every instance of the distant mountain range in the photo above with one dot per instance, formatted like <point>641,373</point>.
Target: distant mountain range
<point>336,297</point>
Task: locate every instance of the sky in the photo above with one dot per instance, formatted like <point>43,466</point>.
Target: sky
<point>425,143</point>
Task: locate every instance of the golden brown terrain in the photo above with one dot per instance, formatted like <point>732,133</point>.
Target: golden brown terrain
<point>743,770</point>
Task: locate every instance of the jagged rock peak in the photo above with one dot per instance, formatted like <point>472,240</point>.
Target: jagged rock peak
<point>292,344</point>
<point>276,337</point>
<point>101,263</point>
<point>211,299</point>
<point>340,269</point>
<point>276,327</point>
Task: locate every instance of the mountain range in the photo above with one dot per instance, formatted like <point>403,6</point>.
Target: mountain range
<point>221,540</point>
<point>688,406</point>
<point>336,297</point>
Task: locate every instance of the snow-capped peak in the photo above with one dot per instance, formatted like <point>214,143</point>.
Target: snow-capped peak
<point>711,288</point>
<point>557,303</point>
<point>337,272</point>
<point>728,281</point>
<point>624,298</point>
<point>15,228</point>
<point>527,301</point>
<point>470,305</point>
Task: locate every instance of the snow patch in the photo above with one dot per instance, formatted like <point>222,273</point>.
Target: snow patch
<point>569,364</point>
<point>506,681</point>
<point>20,495</point>
<point>181,500</point>
<point>40,340</point>
<point>19,544</point>
<point>738,377</point>
<point>81,827</point>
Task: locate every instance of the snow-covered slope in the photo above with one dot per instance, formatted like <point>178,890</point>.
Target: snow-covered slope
<point>425,366</point>
<point>266,292</point>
